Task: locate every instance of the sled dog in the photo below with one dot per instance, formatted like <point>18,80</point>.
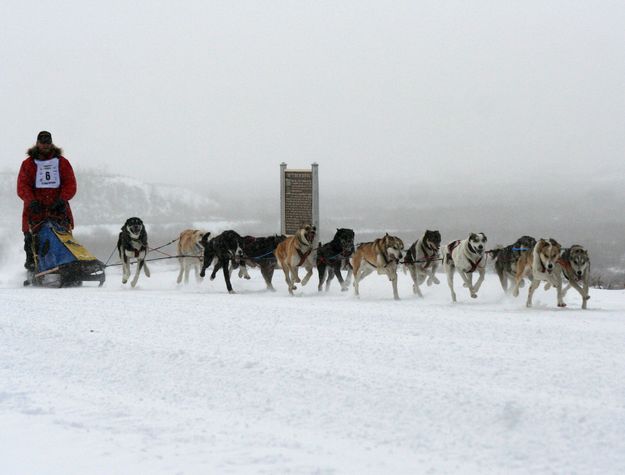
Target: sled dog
<point>541,264</point>
<point>133,242</point>
<point>466,256</point>
<point>575,265</point>
<point>259,252</point>
<point>190,246</point>
<point>422,258</point>
<point>334,256</point>
<point>223,248</point>
<point>297,251</point>
<point>507,257</point>
<point>381,255</point>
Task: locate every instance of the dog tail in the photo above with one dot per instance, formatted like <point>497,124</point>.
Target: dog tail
<point>496,251</point>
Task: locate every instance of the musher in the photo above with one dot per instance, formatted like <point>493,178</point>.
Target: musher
<point>45,183</point>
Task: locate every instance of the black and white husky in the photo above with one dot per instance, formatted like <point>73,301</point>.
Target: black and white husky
<point>226,247</point>
<point>133,242</point>
<point>466,256</point>
<point>422,258</point>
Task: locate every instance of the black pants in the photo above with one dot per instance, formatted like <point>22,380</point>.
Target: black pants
<point>28,248</point>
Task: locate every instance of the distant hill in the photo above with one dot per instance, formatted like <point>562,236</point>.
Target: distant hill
<point>110,199</point>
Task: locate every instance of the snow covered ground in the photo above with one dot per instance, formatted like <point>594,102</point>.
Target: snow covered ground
<point>190,379</point>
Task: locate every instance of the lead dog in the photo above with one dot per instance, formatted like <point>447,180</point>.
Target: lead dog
<point>296,251</point>
<point>541,264</point>
<point>506,259</point>
<point>575,265</point>
<point>334,256</point>
<point>422,260</point>
<point>381,255</point>
<point>466,256</point>
<point>133,242</point>
<point>190,252</point>
<point>224,248</point>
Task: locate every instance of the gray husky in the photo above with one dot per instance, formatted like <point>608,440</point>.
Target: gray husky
<point>507,257</point>
<point>575,264</point>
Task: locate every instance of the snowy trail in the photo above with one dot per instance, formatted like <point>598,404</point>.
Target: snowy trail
<point>166,379</point>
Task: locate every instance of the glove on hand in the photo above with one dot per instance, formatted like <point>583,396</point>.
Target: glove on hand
<point>35,207</point>
<point>58,206</point>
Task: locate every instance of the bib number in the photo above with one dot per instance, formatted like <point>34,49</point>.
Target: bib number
<point>48,175</point>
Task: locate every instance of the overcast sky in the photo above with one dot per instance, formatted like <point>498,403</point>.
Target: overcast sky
<point>374,91</point>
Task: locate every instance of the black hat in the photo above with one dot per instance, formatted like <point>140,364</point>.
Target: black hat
<point>44,137</point>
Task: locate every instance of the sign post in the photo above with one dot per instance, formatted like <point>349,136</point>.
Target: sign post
<point>299,198</point>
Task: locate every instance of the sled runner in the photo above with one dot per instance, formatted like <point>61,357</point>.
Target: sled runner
<point>59,260</point>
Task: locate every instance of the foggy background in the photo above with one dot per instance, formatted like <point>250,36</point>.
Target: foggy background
<point>505,117</point>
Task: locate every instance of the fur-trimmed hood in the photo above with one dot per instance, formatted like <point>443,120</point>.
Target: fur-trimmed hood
<point>34,152</point>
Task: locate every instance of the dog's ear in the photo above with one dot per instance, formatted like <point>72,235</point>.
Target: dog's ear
<point>472,236</point>
<point>484,237</point>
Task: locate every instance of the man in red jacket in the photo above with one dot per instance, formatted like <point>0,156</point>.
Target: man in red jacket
<point>45,183</point>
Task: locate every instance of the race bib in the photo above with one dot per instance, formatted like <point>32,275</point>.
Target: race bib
<point>48,175</point>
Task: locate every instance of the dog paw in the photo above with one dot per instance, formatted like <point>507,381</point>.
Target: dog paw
<point>247,277</point>
<point>473,296</point>
<point>232,292</point>
<point>562,304</point>
<point>344,289</point>
<point>465,285</point>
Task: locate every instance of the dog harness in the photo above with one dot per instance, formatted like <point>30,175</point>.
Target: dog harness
<point>428,259</point>
<point>303,256</point>
<point>474,265</point>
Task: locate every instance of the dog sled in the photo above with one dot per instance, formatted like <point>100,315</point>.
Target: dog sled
<point>60,261</point>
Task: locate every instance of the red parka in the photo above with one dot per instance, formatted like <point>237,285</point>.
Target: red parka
<point>29,190</point>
